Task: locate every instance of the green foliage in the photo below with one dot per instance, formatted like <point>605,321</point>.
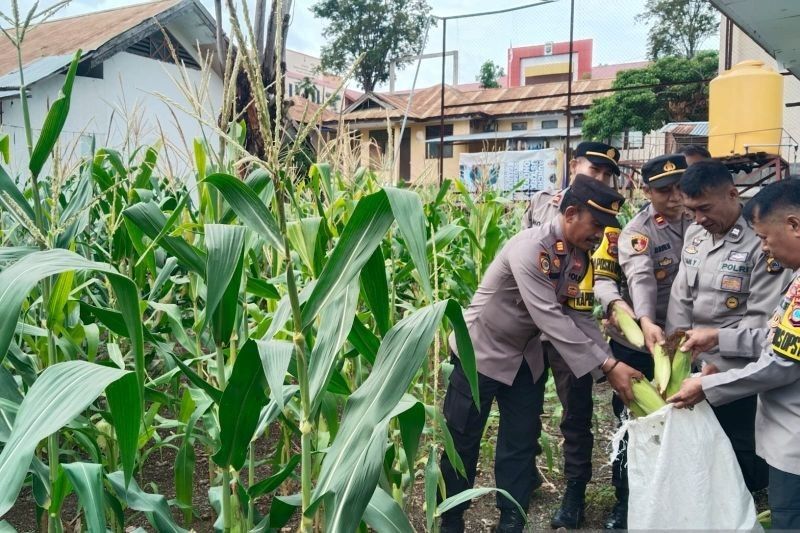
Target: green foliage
<point>678,27</point>
<point>489,74</point>
<point>378,30</point>
<point>671,97</point>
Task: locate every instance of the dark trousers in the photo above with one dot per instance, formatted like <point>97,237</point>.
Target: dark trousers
<point>516,446</point>
<point>784,499</point>
<point>738,420</point>
<point>643,362</point>
<point>576,416</point>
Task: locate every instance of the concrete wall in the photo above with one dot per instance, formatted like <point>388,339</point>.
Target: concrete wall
<point>121,111</point>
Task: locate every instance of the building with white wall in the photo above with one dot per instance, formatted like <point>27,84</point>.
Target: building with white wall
<point>129,90</point>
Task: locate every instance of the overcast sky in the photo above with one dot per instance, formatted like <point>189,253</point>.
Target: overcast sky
<point>618,38</point>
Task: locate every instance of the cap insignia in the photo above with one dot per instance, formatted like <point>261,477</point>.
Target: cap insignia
<point>611,153</point>
<point>669,166</point>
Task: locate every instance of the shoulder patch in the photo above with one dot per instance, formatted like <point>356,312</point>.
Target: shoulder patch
<point>773,266</point>
<point>639,243</point>
<point>544,263</point>
<point>660,220</point>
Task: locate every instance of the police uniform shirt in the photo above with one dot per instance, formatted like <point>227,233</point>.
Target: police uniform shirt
<point>522,296</point>
<point>544,207</point>
<point>727,283</point>
<point>775,376</point>
<point>649,255</point>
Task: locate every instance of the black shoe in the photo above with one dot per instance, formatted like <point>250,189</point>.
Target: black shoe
<point>511,521</point>
<point>570,514</point>
<point>537,479</point>
<point>618,519</point>
<point>452,523</point>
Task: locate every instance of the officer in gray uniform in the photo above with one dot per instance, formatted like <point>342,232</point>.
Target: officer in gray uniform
<point>522,296</point>
<point>724,281</point>
<point>599,161</point>
<point>775,376</point>
<point>649,254</point>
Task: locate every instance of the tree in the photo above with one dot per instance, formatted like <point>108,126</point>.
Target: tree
<point>307,89</point>
<point>678,27</point>
<point>669,99</point>
<point>489,74</point>
<point>378,29</point>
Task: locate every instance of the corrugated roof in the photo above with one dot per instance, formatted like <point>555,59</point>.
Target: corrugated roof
<point>425,103</point>
<point>88,32</point>
<point>302,110</point>
<point>35,71</point>
<point>502,135</point>
<point>694,129</point>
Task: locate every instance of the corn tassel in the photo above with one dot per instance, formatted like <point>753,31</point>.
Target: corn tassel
<point>681,368</point>
<point>661,369</point>
<point>628,326</point>
<point>646,396</point>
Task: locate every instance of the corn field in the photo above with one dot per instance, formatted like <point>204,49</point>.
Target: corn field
<point>308,310</point>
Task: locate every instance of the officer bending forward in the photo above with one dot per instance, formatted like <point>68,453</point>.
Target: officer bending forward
<point>521,297</point>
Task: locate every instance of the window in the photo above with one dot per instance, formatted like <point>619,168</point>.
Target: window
<point>519,126</point>
<point>577,122</point>
<point>156,47</point>
<point>634,139</point>
<point>549,124</point>
<point>432,132</point>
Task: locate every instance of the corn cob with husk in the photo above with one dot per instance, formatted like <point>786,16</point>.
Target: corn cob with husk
<point>646,397</point>
<point>628,326</point>
<point>661,369</point>
<point>680,369</point>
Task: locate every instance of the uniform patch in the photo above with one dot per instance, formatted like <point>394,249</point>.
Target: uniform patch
<point>732,302</point>
<point>732,283</point>
<point>735,232</point>
<point>639,243</point>
<point>613,247</point>
<point>662,248</point>
<point>786,337</point>
<point>737,268</point>
<point>691,249</point>
<point>556,199</point>
<point>661,274</point>
<point>738,256</point>
<point>696,241</point>
<point>794,318</point>
<point>560,247</point>
<point>665,261</point>
<point>577,265</point>
<point>659,218</point>
<point>544,262</point>
<point>691,261</point>
<point>773,266</point>
<point>557,263</point>
<point>572,291</point>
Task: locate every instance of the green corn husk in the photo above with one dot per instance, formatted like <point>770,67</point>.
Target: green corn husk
<point>680,370</point>
<point>661,369</point>
<point>634,408</point>
<point>628,326</point>
<point>646,396</point>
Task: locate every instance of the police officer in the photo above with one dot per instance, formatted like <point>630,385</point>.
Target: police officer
<point>599,161</point>
<point>649,254</point>
<point>775,376</point>
<point>521,297</point>
<point>724,281</point>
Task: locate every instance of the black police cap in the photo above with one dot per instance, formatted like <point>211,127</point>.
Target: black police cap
<point>663,170</point>
<point>602,201</point>
<point>599,153</point>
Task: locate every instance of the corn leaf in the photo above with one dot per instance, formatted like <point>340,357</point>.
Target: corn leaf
<point>363,233</point>
<point>248,207</point>
<point>275,357</point>
<point>126,411</point>
<point>240,407</point>
<point>154,506</point>
<point>385,515</point>
<point>407,210</point>
<point>10,188</point>
<point>376,289</point>
<point>336,320</point>
<point>471,494</point>
<point>60,394</point>
<point>225,246</point>
<point>87,480</point>
<point>54,121</point>
<point>5,147</point>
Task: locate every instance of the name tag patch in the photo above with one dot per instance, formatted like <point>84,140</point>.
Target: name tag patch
<point>691,261</point>
<point>662,247</point>
<point>738,256</point>
<point>732,283</point>
<point>739,268</point>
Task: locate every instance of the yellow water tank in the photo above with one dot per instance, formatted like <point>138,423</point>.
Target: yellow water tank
<point>745,111</point>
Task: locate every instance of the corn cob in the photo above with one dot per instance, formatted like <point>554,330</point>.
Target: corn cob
<point>634,408</point>
<point>681,368</point>
<point>661,369</point>
<point>646,396</point>
<point>628,326</point>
